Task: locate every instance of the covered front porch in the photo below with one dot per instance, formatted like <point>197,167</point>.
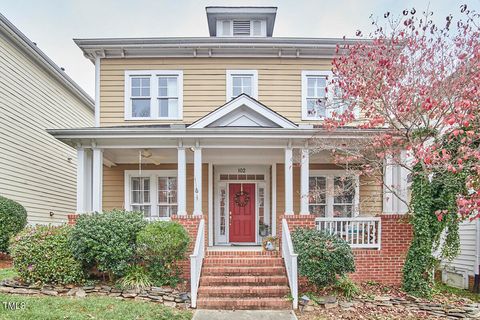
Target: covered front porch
<point>241,190</point>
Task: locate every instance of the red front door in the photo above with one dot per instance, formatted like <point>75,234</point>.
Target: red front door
<point>242,212</point>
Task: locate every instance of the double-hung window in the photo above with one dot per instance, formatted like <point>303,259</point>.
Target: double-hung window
<point>320,97</point>
<point>154,95</point>
<point>333,194</point>
<point>153,192</point>
<point>242,81</point>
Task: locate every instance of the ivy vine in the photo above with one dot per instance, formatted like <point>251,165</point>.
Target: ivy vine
<point>435,237</point>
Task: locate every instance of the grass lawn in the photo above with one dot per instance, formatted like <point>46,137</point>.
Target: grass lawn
<point>442,288</point>
<point>92,307</point>
<point>7,273</point>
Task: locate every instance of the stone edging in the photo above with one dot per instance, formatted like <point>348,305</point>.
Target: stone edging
<point>167,296</point>
<point>467,311</point>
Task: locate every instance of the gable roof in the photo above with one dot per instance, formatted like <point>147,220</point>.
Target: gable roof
<point>243,111</point>
<point>14,35</point>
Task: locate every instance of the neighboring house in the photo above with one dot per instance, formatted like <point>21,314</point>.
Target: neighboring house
<point>215,132</point>
<point>37,170</point>
<point>463,271</point>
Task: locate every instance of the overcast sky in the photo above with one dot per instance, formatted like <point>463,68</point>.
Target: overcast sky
<point>52,24</point>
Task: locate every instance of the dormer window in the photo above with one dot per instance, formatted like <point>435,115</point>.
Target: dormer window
<point>241,28</point>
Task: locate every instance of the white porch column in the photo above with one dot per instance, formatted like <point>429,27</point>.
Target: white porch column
<point>82,180</point>
<point>197,181</point>
<point>304,177</point>
<point>97,180</point>
<point>182,182</point>
<point>288,181</point>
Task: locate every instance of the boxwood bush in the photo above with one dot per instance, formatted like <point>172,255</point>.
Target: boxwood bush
<point>322,258</point>
<point>107,240</point>
<point>42,254</point>
<point>161,245</point>
<point>13,218</point>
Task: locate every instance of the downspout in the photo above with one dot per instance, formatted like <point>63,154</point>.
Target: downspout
<point>97,91</point>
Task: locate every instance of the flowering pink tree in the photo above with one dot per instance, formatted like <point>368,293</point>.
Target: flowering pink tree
<point>420,84</point>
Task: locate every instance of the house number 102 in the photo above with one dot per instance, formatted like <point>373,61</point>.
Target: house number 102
<point>241,170</point>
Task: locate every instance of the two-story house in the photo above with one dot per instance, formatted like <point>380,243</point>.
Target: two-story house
<point>216,132</point>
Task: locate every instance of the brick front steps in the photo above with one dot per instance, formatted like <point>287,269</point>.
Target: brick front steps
<point>234,280</point>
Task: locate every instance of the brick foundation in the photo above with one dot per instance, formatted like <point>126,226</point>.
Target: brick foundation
<point>190,223</point>
<point>384,265</point>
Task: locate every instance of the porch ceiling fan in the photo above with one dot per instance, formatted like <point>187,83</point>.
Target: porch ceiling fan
<point>147,155</point>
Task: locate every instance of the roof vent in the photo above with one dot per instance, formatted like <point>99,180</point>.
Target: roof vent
<point>241,28</point>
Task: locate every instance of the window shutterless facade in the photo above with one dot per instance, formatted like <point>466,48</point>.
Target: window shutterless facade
<point>242,81</point>
<point>333,194</point>
<point>153,192</point>
<point>154,95</point>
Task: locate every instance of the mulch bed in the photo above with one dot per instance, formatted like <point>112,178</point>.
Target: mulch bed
<point>389,302</point>
<point>5,261</point>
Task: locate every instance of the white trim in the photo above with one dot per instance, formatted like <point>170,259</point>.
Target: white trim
<point>305,75</point>
<point>197,181</point>
<point>81,180</point>
<point>251,73</point>
<point>181,182</point>
<point>210,204</point>
<point>153,74</point>
<point>97,91</point>
<point>153,175</point>
<point>219,184</point>
<point>288,181</point>
<point>329,175</point>
<point>242,100</point>
<point>97,180</point>
<point>274,199</point>
<point>304,181</point>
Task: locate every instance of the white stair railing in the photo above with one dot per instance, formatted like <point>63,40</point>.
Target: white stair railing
<point>359,232</point>
<point>290,258</point>
<point>196,261</point>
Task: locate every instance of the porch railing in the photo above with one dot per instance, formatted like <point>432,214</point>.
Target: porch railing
<point>196,261</point>
<point>359,232</point>
<point>290,258</point>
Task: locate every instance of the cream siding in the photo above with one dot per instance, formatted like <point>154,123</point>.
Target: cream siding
<point>36,169</point>
<point>279,84</point>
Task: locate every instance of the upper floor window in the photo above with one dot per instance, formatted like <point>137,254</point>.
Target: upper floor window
<point>333,194</point>
<point>241,28</point>
<point>320,98</point>
<point>242,81</point>
<point>155,94</point>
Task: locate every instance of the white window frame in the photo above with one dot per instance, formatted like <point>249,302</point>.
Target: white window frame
<point>231,73</point>
<point>305,75</point>
<point>154,109</point>
<point>330,175</point>
<point>153,175</point>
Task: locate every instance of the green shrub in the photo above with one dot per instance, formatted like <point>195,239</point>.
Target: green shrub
<point>42,254</point>
<point>347,288</point>
<point>13,218</point>
<point>322,257</point>
<point>107,240</point>
<point>161,244</point>
<point>135,278</point>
